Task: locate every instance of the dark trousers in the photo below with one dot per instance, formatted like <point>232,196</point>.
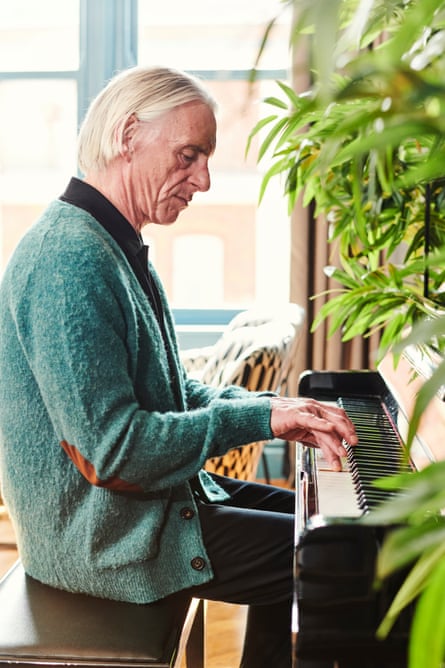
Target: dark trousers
<point>249,540</point>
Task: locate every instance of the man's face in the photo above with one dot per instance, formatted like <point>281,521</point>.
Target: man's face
<point>169,162</point>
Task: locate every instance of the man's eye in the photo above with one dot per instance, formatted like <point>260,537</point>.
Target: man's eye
<point>188,157</point>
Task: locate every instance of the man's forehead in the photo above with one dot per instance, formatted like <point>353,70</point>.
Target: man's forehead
<point>195,128</point>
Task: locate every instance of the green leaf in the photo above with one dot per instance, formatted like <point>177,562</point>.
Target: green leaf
<point>393,330</point>
<point>259,126</point>
<point>276,169</point>
<point>266,143</point>
<point>427,638</point>
<point>276,102</point>
<point>404,545</point>
<point>428,390</point>
<point>420,489</point>
<point>294,99</point>
<point>426,330</point>
<point>411,587</point>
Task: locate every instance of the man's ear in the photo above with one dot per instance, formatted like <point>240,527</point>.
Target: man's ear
<point>124,135</point>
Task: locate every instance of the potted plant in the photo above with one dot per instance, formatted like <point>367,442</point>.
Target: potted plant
<point>364,146</point>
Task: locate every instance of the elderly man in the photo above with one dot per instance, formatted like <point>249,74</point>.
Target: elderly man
<point>103,436</point>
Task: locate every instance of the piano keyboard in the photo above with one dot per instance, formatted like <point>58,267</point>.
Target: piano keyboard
<point>379,451</point>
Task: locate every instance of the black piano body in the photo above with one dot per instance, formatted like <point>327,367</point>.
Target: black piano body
<point>337,607</point>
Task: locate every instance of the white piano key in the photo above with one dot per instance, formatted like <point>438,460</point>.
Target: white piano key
<point>336,494</point>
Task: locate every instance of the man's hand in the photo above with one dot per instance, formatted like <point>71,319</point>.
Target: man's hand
<point>315,424</point>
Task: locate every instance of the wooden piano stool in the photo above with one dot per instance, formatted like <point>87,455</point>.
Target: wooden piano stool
<point>40,625</point>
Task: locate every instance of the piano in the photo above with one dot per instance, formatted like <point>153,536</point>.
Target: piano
<point>336,608</point>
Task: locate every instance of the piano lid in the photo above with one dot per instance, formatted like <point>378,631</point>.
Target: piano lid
<point>404,381</point>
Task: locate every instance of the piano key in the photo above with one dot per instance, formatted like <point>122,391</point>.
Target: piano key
<point>336,494</point>
<point>379,452</point>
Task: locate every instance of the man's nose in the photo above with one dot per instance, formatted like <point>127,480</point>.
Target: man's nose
<point>201,177</point>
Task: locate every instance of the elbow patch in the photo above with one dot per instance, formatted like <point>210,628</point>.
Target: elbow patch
<point>86,468</point>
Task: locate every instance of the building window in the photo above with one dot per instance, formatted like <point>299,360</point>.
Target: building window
<point>54,57</point>
<point>38,110</point>
<point>219,43</point>
<point>200,258</point>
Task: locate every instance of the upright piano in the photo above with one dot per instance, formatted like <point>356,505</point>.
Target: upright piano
<point>337,608</point>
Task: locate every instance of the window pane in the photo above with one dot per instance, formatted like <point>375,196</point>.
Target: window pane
<point>41,35</point>
<point>37,151</point>
<point>207,35</point>
<point>205,273</point>
<point>254,239</point>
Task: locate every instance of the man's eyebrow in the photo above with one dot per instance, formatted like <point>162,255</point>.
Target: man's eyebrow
<point>206,150</point>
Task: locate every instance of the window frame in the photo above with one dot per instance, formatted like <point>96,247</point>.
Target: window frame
<point>108,43</point>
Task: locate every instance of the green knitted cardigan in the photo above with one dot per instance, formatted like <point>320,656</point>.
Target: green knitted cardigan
<point>95,452</point>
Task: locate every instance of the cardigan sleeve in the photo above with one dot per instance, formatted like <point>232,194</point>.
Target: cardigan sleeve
<point>97,355</point>
<point>198,394</point>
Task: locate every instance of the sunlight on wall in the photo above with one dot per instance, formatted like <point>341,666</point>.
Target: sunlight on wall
<point>199,258</point>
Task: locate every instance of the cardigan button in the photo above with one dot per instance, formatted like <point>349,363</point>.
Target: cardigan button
<point>187,513</point>
<point>198,563</point>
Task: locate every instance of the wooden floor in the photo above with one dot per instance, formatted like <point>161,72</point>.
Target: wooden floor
<point>8,554</point>
<point>224,634</point>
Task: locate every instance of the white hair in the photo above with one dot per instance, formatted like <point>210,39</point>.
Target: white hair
<point>147,93</point>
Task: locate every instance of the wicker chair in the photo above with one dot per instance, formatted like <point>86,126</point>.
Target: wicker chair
<point>256,351</point>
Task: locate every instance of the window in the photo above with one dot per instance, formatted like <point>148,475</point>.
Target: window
<point>200,258</point>
<point>55,56</point>
<point>38,110</point>
<point>219,42</point>
<point>33,32</point>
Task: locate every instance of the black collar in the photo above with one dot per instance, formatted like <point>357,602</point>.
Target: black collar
<point>86,197</point>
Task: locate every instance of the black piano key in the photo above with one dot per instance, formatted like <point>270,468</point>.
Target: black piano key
<point>379,452</point>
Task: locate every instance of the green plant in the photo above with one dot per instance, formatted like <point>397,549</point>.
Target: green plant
<point>418,543</point>
<point>365,145</point>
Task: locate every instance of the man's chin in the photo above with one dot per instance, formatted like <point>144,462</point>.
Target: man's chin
<point>168,220</point>
<point>173,214</point>
<point>169,215</point>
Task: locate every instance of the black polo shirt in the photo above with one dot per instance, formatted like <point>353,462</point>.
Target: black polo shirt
<point>86,197</point>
